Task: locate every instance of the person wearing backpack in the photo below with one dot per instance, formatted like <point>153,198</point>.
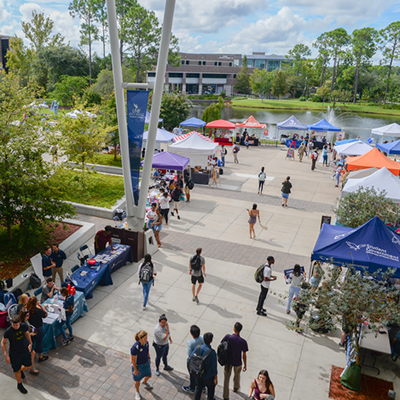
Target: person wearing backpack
<point>261,179</point>
<point>147,270</point>
<point>176,194</point>
<point>197,270</point>
<point>207,377</point>
<point>237,349</point>
<point>267,274</point>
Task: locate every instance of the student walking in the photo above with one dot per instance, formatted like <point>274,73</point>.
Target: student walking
<point>161,337</point>
<point>261,179</point>
<point>253,215</point>
<point>235,151</point>
<point>268,277</point>
<point>164,206</point>
<point>295,279</point>
<point>176,194</point>
<point>224,152</point>
<point>140,359</point>
<point>286,186</point>
<point>147,271</point>
<point>197,270</point>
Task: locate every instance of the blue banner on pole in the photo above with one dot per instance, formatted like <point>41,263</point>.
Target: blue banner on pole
<point>137,107</point>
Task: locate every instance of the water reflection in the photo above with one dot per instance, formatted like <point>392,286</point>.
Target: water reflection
<point>353,124</point>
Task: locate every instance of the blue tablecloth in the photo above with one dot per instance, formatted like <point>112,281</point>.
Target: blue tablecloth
<point>122,254</point>
<point>51,331</point>
<point>93,277</point>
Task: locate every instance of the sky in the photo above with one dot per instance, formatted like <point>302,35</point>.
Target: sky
<point>228,26</point>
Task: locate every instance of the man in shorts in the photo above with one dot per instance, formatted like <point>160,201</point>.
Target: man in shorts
<point>19,355</point>
<point>197,270</point>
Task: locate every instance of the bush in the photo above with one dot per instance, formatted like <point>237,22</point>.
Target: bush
<point>316,99</point>
<point>302,98</point>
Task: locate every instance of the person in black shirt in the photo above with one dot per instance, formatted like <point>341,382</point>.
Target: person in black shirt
<point>19,355</point>
<point>36,315</point>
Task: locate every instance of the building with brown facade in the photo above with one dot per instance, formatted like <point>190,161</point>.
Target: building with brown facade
<point>4,46</point>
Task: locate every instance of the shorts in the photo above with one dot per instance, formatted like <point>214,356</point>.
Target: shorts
<point>285,195</point>
<point>174,205</point>
<point>144,371</point>
<point>199,279</point>
<point>20,359</point>
<point>157,227</point>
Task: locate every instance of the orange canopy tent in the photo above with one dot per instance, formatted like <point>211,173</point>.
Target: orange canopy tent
<point>251,122</point>
<point>373,158</point>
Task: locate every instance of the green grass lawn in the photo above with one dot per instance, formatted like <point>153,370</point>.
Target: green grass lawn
<point>297,105</point>
<point>91,188</point>
<point>106,159</point>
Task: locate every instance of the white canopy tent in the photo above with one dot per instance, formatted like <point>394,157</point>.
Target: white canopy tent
<point>195,146</point>
<point>388,130</point>
<point>353,149</point>
<point>162,138</point>
<point>362,173</point>
<point>381,180</point>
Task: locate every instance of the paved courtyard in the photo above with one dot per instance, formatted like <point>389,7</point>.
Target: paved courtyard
<point>97,365</point>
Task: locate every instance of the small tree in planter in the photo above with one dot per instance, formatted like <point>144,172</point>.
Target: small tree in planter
<point>360,297</point>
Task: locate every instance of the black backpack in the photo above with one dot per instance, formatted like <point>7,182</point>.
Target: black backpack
<point>35,281</point>
<point>176,194</point>
<point>195,263</point>
<point>146,273</point>
<point>223,352</point>
<point>197,363</point>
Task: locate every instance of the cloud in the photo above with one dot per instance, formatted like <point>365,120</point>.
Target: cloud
<point>27,8</point>
<point>4,14</point>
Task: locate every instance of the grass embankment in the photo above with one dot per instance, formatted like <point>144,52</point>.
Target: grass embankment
<point>106,159</point>
<point>297,105</point>
<point>90,188</point>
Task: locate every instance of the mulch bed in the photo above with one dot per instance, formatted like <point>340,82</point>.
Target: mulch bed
<point>13,268</point>
<point>372,388</point>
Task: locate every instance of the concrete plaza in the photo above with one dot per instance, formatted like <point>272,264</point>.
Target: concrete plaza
<point>97,364</point>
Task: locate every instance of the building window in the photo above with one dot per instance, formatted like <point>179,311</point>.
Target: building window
<point>215,63</point>
<point>260,64</point>
<point>236,63</point>
<point>230,64</point>
<point>187,62</point>
<point>192,75</point>
<point>273,65</point>
<point>183,62</point>
<point>204,63</point>
<point>234,76</point>
<point>199,62</point>
<point>214,76</point>
<point>175,74</point>
<point>151,74</point>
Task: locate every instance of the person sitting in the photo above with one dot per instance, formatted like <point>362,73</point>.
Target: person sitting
<point>49,290</point>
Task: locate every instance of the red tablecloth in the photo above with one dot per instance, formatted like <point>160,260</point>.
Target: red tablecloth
<point>224,141</point>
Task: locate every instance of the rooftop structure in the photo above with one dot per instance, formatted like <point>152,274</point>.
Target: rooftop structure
<point>4,46</point>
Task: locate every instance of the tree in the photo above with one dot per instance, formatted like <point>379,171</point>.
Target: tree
<point>108,115</point>
<point>243,78</point>
<point>213,111</point>
<point>279,84</point>
<point>391,48</point>
<point>298,54</point>
<point>100,15</point>
<point>355,209</point>
<point>324,92</point>
<point>324,56</point>
<point>261,82</point>
<point>69,88</point>
<point>19,60</point>
<point>364,46</point>
<point>38,31</point>
<point>85,10</point>
<point>175,108</point>
<point>27,198</point>
<point>104,85</point>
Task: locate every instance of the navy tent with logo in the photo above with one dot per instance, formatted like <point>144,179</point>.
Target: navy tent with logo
<point>372,246</point>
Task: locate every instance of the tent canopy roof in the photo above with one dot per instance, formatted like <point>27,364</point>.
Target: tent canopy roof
<point>194,142</point>
<point>353,149</point>
<point>381,180</point>
<point>195,122</point>
<point>340,142</point>
<point>387,130</point>
<point>374,158</point>
<point>147,118</point>
<point>165,160</point>
<point>162,136</point>
<point>372,245</point>
<point>251,122</point>
<point>221,124</point>
<point>390,148</point>
<point>292,124</point>
<point>323,126</point>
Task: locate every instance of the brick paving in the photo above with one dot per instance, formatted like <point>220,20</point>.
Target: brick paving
<point>85,370</point>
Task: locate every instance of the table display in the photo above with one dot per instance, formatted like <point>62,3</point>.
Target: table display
<point>117,258</point>
<point>253,141</point>
<point>50,323</point>
<point>223,140</point>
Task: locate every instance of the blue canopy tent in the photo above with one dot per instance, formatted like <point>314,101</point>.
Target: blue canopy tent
<point>292,124</point>
<point>323,126</point>
<point>147,118</point>
<point>390,148</point>
<point>340,142</point>
<point>195,122</point>
<point>371,246</point>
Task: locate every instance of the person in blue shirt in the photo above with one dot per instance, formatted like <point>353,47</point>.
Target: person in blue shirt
<point>191,346</point>
<point>325,155</point>
<point>210,378</point>
<point>68,306</point>
<point>47,263</point>
<point>58,256</point>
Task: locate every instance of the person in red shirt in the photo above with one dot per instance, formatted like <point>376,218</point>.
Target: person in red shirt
<point>102,238</point>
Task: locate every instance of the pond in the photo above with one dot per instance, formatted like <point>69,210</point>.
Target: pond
<point>353,124</point>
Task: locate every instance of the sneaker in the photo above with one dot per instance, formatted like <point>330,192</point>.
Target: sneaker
<point>145,308</point>
<point>172,213</point>
<point>148,386</point>
<point>196,299</point>
<point>137,396</point>
<point>263,313</point>
<point>43,358</point>
<point>168,368</point>
<point>187,389</point>
<point>65,342</point>
<point>341,344</point>
<point>178,217</point>
<point>157,372</point>
<point>21,388</point>
<point>71,338</point>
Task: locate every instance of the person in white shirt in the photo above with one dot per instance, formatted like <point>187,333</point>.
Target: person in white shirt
<point>295,279</point>
<point>151,214</point>
<point>261,179</point>
<point>164,205</point>
<point>265,286</point>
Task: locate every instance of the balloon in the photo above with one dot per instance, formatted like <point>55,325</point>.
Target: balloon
<point>370,140</point>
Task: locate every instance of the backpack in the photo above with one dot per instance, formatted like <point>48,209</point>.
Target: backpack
<point>176,194</point>
<point>190,185</point>
<point>259,274</point>
<point>262,176</point>
<point>35,281</point>
<point>146,273</point>
<point>197,363</point>
<point>195,263</point>
<point>223,352</point>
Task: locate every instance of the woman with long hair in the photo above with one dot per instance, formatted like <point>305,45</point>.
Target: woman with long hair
<point>140,358</point>
<point>22,302</point>
<point>36,315</point>
<point>295,279</point>
<point>146,271</point>
<point>286,186</point>
<point>253,214</point>
<point>157,226</point>
<point>24,314</point>
<point>262,388</point>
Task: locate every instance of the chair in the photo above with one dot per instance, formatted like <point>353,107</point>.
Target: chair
<point>74,268</point>
<point>38,291</point>
<point>82,258</point>
<point>12,310</point>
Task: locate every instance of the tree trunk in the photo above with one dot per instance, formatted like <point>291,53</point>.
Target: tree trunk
<point>90,57</point>
<point>115,152</point>
<point>355,84</point>
<point>390,69</point>
<point>121,48</point>
<point>334,71</point>
<point>9,231</point>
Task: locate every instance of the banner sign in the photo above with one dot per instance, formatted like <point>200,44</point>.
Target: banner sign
<point>137,107</point>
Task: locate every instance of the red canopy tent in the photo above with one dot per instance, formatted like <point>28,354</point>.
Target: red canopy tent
<point>220,124</point>
<point>251,122</point>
